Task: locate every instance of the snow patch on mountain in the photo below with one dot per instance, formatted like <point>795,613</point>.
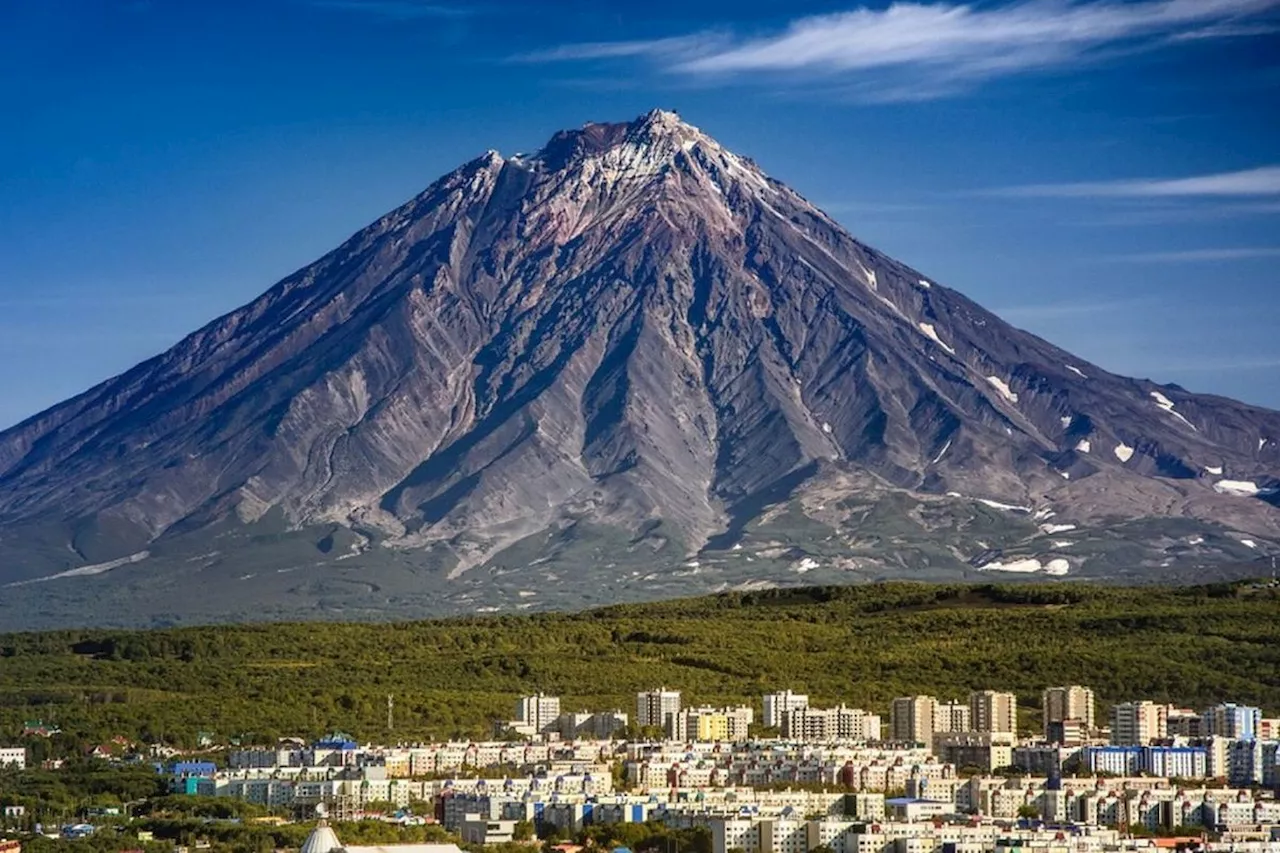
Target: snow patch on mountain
<point>1056,528</point>
<point>1003,387</point>
<point>1167,405</point>
<point>942,452</point>
<point>1030,565</point>
<point>1123,452</point>
<point>1004,506</point>
<point>1237,488</point>
<point>87,571</point>
<point>932,334</point>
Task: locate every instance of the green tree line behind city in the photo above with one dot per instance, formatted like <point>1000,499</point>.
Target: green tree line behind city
<point>861,645</point>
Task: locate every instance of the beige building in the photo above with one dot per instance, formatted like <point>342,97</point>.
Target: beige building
<point>911,719</point>
<point>985,750</point>
<point>993,711</point>
<point>1067,703</point>
<point>1138,723</point>
<point>952,717</point>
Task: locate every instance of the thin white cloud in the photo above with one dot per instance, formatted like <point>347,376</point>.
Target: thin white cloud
<point>1244,361</point>
<point>940,43</point>
<point>676,46</point>
<point>1262,181</point>
<point>1064,310</point>
<point>1193,255</point>
<point>395,10</point>
<point>1161,212</point>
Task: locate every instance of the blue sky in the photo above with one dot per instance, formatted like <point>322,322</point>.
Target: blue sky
<point>1104,173</point>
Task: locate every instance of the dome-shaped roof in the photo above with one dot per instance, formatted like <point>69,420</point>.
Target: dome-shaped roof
<point>321,840</point>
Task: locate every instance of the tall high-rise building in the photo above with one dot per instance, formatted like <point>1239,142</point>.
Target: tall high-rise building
<point>538,711</point>
<point>911,719</point>
<point>993,711</point>
<point>777,704</point>
<point>1229,720</point>
<point>659,707</point>
<point>952,717</point>
<point>1138,723</point>
<point>1067,703</point>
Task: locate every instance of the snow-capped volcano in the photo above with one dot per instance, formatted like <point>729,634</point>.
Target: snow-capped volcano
<point>632,341</point>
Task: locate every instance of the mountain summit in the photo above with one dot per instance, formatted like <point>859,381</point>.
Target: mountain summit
<point>626,366</point>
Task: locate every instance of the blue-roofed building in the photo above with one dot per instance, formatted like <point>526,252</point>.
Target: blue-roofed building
<point>1119,760</point>
<point>337,740</point>
<point>193,768</point>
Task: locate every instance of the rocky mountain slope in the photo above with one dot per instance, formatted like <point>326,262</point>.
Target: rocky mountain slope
<point>629,365</point>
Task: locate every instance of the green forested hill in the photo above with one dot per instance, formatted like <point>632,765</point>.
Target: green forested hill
<point>862,645</point>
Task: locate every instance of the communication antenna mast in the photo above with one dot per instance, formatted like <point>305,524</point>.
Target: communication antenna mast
<point>391,704</point>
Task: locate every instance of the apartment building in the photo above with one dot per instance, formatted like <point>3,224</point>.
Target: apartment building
<point>659,708</point>
<point>1182,762</point>
<point>1061,704</point>
<point>828,724</point>
<point>984,750</point>
<point>911,719</point>
<point>1229,720</point>
<point>952,716</point>
<point>778,704</point>
<point>1138,723</point>
<point>537,712</point>
<point>718,724</point>
<point>993,711</point>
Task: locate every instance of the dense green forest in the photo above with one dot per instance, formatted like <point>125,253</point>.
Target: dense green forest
<point>862,645</point>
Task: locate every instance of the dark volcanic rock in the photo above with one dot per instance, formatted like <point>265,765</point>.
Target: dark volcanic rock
<point>634,328</point>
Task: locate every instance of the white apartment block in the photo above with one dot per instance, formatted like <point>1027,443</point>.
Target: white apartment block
<point>829,724</point>
<point>13,757</point>
<point>585,724</point>
<point>778,704</point>
<point>538,711</point>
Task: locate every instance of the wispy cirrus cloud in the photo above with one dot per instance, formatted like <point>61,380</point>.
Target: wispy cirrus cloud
<point>675,47</point>
<point>942,48</point>
<point>1262,181</point>
<point>1064,310</point>
<point>1240,253</point>
<point>395,10</point>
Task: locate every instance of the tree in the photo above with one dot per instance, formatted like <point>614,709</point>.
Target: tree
<point>523,831</point>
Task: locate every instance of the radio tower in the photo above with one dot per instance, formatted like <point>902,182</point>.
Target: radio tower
<point>391,704</point>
